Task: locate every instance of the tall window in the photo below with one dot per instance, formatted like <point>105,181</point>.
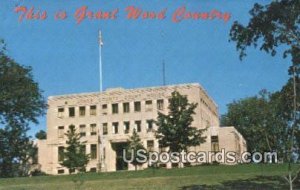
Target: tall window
<point>93,151</point>
<point>82,130</point>
<point>138,126</point>
<point>82,111</point>
<point>115,127</point>
<point>60,112</point>
<point>93,110</point>
<point>104,153</point>
<point>61,153</point>
<point>126,108</point>
<point>93,129</point>
<point>105,129</point>
<point>61,132</point>
<point>104,109</point>
<point>115,108</point>
<point>149,125</point>
<point>148,105</point>
<point>126,127</point>
<point>137,106</point>
<point>215,143</point>
<point>71,112</point>
<point>160,104</point>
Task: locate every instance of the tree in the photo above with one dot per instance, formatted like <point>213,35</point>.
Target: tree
<point>134,146</point>
<point>41,135</point>
<point>21,103</point>
<point>175,129</point>
<point>16,150</point>
<point>75,157</point>
<point>266,121</point>
<point>272,26</point>
<point>257,119</point>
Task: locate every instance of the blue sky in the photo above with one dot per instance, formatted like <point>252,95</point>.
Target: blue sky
<point>64,55</point>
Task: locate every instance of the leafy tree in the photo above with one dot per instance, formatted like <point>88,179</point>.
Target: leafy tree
<point>134,146</point>
<point>75,157</point>
<point>41,135</point>
<point>257,119</point>
<point>21,103</point>
<point>175,129</point>
<point>285,107</point>
<point>274,26</point>
<point>270,26</point>
<point>15,152</point>
<point>266,121</point>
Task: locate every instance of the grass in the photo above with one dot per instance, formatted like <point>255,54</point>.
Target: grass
<point>251,176</point>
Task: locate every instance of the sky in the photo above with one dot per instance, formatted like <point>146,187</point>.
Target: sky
<point>64,55</point>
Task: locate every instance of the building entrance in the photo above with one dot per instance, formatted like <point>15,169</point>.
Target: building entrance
<point>119,147</point>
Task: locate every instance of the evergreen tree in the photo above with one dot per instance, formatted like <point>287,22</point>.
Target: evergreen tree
<point>175,129</point>
<point>74,156</point>
<point>134,146</point>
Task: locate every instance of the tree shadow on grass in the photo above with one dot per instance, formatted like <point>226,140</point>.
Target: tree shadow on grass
<point>257,183</point>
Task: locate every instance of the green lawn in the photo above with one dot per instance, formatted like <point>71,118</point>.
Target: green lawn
<point>251,176</point>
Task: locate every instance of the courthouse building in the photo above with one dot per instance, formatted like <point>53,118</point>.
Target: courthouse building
<point>106,120</point>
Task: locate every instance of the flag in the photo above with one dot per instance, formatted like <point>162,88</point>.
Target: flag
<point>100,38</point>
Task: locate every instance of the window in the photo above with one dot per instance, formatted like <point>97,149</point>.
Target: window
<point>160,104</point>
<point>61,153</point>
<point>104,153</point>
<point>93,110</point>
<point>138,126</point>
<point>149,125</point>
<point>137,106</point>
<point>61,131</point>
<point>93,170</point>
<point>126,108</point>
<point>71,112</point>
<point>93,129</point>
<point>93,151</point>
<point>150,145</point>
<point>126,127</point>
<point>115,108</point>
<point>81,111</point>
<point>61,171</point>
<point>82,131</point>
<point>60,112</point>
<point>148,106</point>
<point>115,128</point>
<point>215,143</point>
<point>105,129</point>
<point>104,109</point>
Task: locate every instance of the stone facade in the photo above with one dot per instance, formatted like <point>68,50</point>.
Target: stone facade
<point>106,120</point>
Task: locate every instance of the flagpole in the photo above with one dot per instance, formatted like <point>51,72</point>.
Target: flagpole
<point>101,151</point>
<point>100,60</point>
